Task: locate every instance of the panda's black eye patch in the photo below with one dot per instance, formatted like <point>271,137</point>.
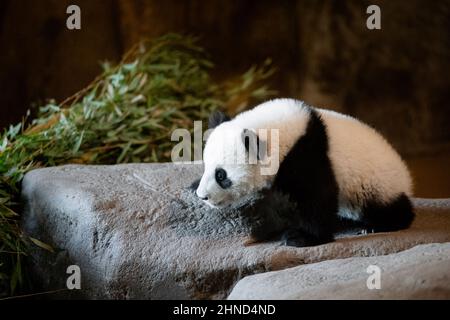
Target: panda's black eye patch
<point>221,178</point>
<point>220,175</point>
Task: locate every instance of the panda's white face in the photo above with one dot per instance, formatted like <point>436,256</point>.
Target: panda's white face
<point>228,177</point>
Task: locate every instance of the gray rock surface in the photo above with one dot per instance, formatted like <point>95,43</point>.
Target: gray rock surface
<point>422,272</point>
<point>136,231</point>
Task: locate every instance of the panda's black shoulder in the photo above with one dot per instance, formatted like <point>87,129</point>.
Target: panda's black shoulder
<point>307,162</point>
<point>315,140</point>
<point>316,134</point>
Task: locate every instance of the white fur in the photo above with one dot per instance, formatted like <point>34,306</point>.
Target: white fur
<point>359,155</point>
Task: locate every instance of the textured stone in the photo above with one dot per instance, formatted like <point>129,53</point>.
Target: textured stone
<point>422,272</point>
<point>136,231</point>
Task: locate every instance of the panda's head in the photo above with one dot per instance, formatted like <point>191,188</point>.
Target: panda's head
<point>231,159</point>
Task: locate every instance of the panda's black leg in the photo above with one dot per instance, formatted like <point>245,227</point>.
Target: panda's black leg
<point>306,175</point>
<point>300,238</point>
<point>297,238</point>
<point>315,221</point>
<point>382,217</point>
<point>265,217</point>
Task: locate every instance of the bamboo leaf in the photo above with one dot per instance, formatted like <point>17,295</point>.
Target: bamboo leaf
<point>42,245</point>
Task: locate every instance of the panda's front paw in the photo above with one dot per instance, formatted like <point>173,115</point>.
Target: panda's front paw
<point>293,238</point>
<point>299,238</point>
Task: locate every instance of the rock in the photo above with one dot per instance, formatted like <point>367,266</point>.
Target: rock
<point>422,272</point>
<point>136,231</point>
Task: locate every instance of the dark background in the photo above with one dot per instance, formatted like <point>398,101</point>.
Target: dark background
<point>396,78</point>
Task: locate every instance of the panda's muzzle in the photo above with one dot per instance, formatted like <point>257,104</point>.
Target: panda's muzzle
<point>203,197</point>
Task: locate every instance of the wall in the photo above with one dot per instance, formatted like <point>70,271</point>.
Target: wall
<point>395,78</point>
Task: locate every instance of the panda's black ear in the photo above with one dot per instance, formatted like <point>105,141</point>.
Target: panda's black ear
<point>217,118</point>
<point>253,144</point>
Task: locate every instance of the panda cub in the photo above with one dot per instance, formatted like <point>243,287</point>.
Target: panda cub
<point>333,167</point>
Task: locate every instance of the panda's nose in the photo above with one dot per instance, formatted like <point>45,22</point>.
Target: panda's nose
<point>203,197</point>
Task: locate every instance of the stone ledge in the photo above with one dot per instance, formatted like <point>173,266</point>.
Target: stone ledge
<point>137,232</point>
<point>422,272</point>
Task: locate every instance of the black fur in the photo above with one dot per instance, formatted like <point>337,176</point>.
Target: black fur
<point>224,183</point>
<point>217,118</point>
<point>396,215</point>
<point>307,177</point>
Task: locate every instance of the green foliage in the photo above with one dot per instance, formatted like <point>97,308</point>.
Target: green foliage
<point>126,115</point>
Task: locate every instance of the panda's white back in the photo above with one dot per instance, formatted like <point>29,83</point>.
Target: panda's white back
<point>364,163</point>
